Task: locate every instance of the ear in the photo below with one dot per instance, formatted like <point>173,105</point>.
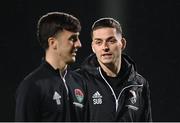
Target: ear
<point>123,40</point>
<point>92,47</point>
<point>52,42</point>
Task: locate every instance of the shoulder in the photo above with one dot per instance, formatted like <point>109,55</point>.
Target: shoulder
<point>141,80</point>
<point>80,71</point>
<point>75,77</point>
<point>30,82</point>
<point>75,73</point>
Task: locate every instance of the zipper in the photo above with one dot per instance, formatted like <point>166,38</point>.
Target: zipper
<point>128,87</point>
<point>64,81</point>
<point>116,99</point>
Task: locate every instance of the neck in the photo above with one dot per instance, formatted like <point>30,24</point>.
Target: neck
<point>111,70</point>
<point>55,62</point>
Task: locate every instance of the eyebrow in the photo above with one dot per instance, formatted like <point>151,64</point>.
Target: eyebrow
<point>109,38</point>
<point>97,39</point>
<point>73,36</point>
<point>112,37</point>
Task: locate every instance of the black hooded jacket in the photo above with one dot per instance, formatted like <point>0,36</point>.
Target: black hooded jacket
<point>128,100</point>
<point>44,95</point>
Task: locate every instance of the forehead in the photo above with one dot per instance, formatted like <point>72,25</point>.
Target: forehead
<point>68,33</point>
<point>104,32</point>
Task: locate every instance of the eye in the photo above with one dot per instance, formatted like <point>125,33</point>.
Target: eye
<point>112,41</point>
<point>73,38</point>
<point>98,42</point>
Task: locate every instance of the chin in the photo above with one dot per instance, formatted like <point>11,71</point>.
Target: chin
<point>71,61</point>
<point>106,61</point>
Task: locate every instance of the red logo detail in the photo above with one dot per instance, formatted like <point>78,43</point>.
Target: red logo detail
<point>79,95</point>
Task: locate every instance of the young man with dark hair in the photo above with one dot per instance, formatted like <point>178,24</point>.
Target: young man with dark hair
<point>116,92</point>
<point>52,92</point>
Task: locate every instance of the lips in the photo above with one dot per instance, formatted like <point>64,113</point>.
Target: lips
<point>106,54</point>
<point>74,52</point>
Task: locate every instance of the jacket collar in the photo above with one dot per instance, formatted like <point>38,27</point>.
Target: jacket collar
<point>49,67</point>
<point>92,66</point>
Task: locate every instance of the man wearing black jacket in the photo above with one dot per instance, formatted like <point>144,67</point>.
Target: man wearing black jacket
<point>116,92</point>
<point>52,92</point>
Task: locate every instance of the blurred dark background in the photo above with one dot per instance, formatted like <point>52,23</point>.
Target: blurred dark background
<point>151,28</point>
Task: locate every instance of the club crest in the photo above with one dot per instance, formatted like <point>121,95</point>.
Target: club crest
<point>133,98</point>
<point>79,95</point>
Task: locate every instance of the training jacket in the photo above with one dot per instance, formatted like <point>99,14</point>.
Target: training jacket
<point>133,101</point>
<point>46,95</point>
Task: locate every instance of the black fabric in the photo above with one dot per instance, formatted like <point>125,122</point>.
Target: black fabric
<point>42,96</point>
<point>117,82</point>
<point>132,100</point>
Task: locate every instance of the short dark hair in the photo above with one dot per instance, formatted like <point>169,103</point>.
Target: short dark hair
<point>106,22</point>
<point>52,23</point>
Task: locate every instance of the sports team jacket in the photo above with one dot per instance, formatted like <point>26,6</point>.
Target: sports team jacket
<point>45,95</point>
<point>132,103</point>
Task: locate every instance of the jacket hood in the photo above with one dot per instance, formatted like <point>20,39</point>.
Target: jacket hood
<point>91,65</point>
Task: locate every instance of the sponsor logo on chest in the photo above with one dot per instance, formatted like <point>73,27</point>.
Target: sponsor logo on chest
<point>57,98</point>
<point>97,98</point>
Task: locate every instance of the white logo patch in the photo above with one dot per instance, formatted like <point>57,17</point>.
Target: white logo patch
<point>134,97</point>
<point>97,98</point>
<point>132,107</point>
<point>57,97</point>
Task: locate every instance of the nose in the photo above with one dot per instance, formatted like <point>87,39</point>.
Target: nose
<point>78,44</point>
<point>105,47</point>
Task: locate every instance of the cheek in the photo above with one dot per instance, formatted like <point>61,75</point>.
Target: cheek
<point>65,47</point>
<point>118,46</point>
<point>96,50</point>
<point>116,50</point>
<point>121,46</point>
<point>63,51</point>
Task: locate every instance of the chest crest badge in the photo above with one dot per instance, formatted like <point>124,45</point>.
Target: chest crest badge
<point>79,95</point>
<point>133,96</point>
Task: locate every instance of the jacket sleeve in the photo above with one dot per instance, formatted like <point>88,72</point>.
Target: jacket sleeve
<point>148,114</point>
<point>27,102</point>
